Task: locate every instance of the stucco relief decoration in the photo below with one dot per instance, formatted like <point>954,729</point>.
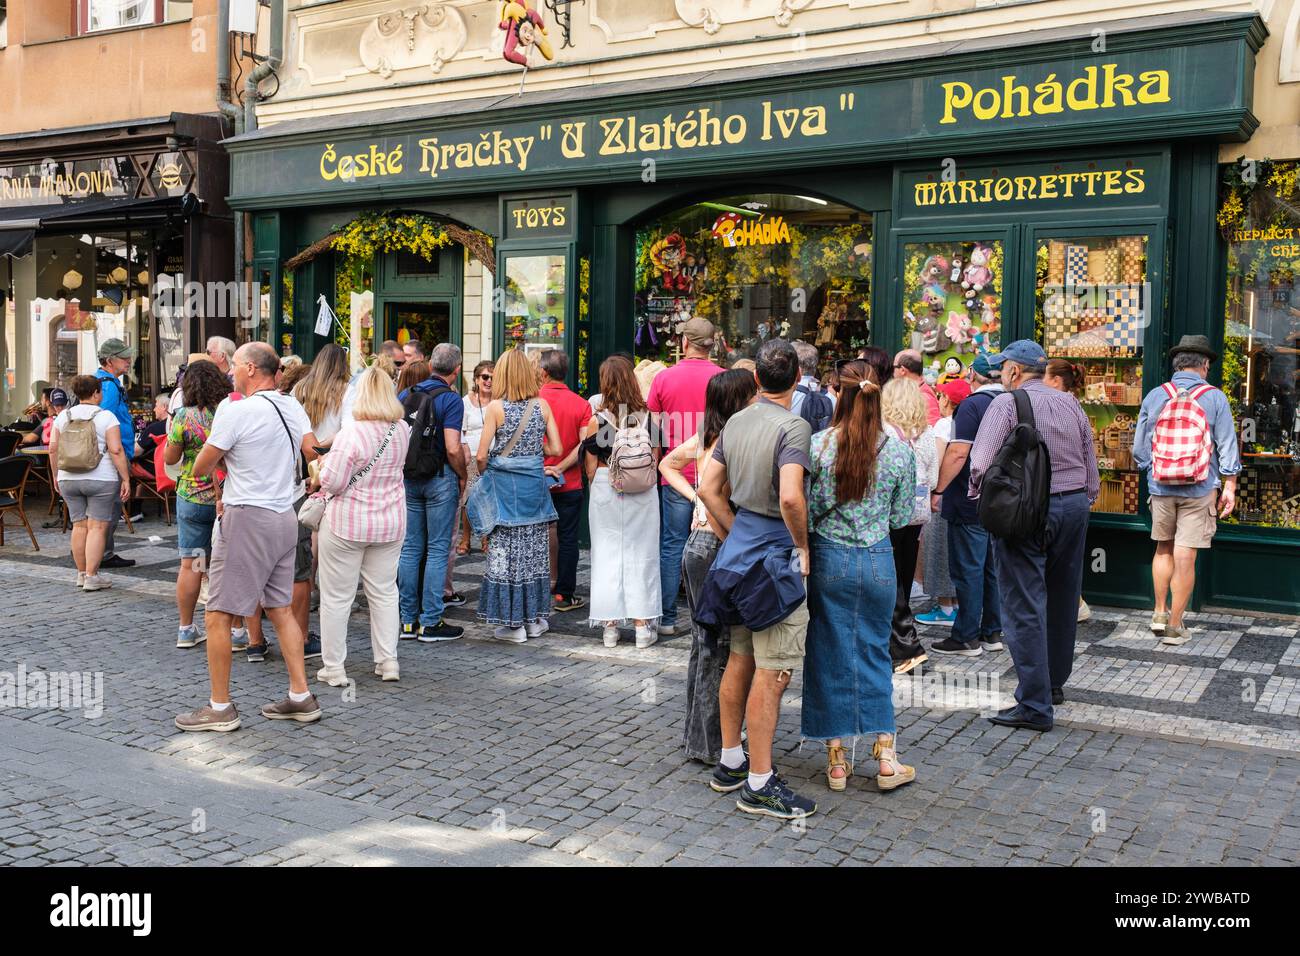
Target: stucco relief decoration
<point>406,38</point>
<point>712,14</point>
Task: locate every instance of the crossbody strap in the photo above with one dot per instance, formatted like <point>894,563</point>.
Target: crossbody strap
<point>365,469</point>
<point>519,430</point>
<point>293,449</point>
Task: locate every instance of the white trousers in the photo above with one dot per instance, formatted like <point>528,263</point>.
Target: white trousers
<point>339,565</point>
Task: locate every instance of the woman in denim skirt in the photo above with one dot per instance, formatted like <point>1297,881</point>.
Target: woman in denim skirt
<point>725,395</point>
<point>863,484</point>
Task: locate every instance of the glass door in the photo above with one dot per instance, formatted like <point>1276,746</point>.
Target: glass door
<point>427,322</point>
<point>535,300</point>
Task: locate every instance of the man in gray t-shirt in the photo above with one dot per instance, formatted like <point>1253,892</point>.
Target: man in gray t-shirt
<point>764,454</point>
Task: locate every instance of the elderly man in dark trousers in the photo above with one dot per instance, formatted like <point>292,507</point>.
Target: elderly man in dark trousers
<point>1039,579</point>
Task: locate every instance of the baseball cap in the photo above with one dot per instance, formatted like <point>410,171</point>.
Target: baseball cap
<point>699,332</point>
<point>1022,352</point>
<point>58,397</point>
<point>956,391</point>
<point>115,348</point>
<point>980,366</point>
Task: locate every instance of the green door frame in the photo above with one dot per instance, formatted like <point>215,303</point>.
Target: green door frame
<point>391,288</point>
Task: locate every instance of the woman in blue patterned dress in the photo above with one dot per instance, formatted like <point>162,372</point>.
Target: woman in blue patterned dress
<point>516,590</point>
<point>863,484</point>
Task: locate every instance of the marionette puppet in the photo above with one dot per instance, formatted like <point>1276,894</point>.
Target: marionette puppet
<point>525,31</point>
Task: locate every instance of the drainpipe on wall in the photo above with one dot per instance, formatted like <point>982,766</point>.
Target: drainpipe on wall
<point>272,61</point>
<point>236,117</point>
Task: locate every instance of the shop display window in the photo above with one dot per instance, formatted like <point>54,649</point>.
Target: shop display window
<point>354,305</point>
<point>952,302</point>
<point>535,292</point>
<point>1261,342</point>
<point>757,267</point>
<point>1091,309</point>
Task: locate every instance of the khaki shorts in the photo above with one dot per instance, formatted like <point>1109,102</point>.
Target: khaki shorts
<point>780,647</point>
<point>252,560</point>
<point>1189,522</point>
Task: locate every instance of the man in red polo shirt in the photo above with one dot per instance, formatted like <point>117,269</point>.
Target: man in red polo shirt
<point>572,413</point>
<point>677,401</point>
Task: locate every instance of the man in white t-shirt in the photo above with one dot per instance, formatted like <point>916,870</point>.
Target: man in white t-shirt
<point>257,442</point>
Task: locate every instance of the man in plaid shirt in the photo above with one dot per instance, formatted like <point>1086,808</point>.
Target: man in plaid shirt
<point>1039,579</point>
<point>1184,517</point>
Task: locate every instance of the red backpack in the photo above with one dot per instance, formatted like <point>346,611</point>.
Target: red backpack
<point>1180,449</point>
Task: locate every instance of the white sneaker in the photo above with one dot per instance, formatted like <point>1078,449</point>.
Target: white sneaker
<point>667,630</point>
<point>203,592</point>
<point>81,579</point>
<point>611,637</point>
<point>515,635</point>
<point>388,670</point>
<point>645,636</point>
<point>538,629</point>
<point>96,582</point>
<point>1085,612</point>
<point>334,676</point>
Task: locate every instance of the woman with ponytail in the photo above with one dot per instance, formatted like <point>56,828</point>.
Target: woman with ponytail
<point>863,485</point>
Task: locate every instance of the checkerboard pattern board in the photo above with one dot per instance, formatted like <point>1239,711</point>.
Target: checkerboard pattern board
<point>1057,330</point>
<point>1247,489</point>
<point>1076,265</point>
<point>1270,496</point>
<point>1131,493</point>
<point>1124,305</point>
<point>1131,250</point>
<point>1055,262</point>
<point>1103,267</point>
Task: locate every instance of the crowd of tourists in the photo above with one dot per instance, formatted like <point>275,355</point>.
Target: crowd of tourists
<point>788,523</point>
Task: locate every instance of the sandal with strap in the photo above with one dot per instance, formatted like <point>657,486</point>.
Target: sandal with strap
<point>902,774</point>
<point>835,758</point>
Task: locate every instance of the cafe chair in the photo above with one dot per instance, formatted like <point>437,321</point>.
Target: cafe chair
<point>145,485</point>
<point>13,485</point>
<point>8,442</point>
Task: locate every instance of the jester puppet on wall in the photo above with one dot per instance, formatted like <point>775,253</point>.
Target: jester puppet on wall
<point>676,268</point>
<point>525,31</point>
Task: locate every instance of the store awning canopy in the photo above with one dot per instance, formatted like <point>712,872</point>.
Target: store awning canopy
<point>18,224</point>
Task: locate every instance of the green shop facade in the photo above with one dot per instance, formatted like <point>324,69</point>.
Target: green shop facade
<point>1053,187</point>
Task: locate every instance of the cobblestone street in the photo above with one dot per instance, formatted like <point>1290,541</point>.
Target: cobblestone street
<point>561,752</point>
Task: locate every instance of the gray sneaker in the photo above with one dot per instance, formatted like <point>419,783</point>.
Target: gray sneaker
<point>1174,636</point>
<point>189,637</point>
<point>205,718</point>
<point>305,713</point>
<point>96,582</point>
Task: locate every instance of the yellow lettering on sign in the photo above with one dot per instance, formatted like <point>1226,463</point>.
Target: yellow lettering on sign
<point>540,217</point>
<point>1110,182</point>
<point>1092,89</point>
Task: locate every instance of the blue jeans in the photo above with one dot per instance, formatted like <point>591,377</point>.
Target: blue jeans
<point>674,529</point>
<point>430,512</point>
<point>1040,583</point>
<point>848,676</point>
<point>974,572</point>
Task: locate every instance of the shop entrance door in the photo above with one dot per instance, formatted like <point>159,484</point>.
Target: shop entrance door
<point>420,298</point>
<point>429,322</point>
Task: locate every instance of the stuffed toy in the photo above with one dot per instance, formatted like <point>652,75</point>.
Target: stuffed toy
<point>933,297</point>
<point>669,257</point>
<point>959,330</point>
<point>934,270</point>
<point>977,274</point>
<point>952,370</point>
<point>955,276</point>
<point>933,340</point>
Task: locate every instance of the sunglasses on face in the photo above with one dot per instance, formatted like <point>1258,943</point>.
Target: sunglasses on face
<point>485,378</point>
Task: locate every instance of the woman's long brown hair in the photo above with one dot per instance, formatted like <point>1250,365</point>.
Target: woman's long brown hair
<point>619,391</point>
<point>857,431</point>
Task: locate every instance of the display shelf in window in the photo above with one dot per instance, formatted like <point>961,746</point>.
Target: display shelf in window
<point>1091,311</point>
<point>952,306</point>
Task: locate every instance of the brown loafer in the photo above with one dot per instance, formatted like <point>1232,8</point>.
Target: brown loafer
<point>305,712</point>
<point>205,718</point>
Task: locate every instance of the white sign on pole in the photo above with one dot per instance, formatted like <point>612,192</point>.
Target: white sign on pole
<point>325,318</point>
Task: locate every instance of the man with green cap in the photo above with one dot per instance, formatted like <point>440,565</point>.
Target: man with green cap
<point>115,358</point>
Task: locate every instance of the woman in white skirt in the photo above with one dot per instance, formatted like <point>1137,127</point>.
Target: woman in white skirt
<point>624,527</point>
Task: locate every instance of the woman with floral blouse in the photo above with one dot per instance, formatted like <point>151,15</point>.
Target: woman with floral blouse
<point>863,485</point>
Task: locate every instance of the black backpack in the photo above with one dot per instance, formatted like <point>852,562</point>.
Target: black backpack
<point>1016,489</point>
<point>817,409</point>
<point>427,453</point>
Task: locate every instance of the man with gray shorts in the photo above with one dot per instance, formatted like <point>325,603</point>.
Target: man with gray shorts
<point>257,441</point>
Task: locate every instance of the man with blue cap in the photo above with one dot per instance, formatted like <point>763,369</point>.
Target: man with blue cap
<point>1039,579</point>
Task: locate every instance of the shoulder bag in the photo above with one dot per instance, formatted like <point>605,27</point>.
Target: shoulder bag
<point>312,512</point>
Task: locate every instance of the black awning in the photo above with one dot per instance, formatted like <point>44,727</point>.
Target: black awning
<point>112,213</point>
<point>16,242</point>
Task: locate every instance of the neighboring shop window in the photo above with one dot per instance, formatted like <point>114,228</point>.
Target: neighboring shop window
<point>1091,310</point>
<point>354,304</point>
<point>535,302</point>
<point>1261,342</point>
<point>952,303</point>
<point>4,24</point>
<point>757,267</point>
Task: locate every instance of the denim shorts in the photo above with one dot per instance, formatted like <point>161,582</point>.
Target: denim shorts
<point>194,528</point>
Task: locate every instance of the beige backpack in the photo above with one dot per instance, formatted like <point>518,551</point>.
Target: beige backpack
<point>79,449</point>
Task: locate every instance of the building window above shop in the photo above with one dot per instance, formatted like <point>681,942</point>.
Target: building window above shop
<point>757,266</point>
<point>1261,339</point>
<point>96,15</point>
<point>4,24</point>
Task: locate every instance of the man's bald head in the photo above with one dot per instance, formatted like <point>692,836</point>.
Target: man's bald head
<point>255,366</point>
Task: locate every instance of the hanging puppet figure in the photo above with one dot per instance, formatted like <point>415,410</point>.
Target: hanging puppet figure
<point>525,29</point>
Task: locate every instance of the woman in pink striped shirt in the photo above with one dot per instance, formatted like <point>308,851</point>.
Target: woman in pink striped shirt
<point>365,522</point>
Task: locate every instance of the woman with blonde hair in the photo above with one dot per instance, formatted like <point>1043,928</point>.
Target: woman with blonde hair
<point>905,414</point>
<point>512,505</point>
<point>863,485</point>
<point>364,524</point>
<point>321,392</point>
